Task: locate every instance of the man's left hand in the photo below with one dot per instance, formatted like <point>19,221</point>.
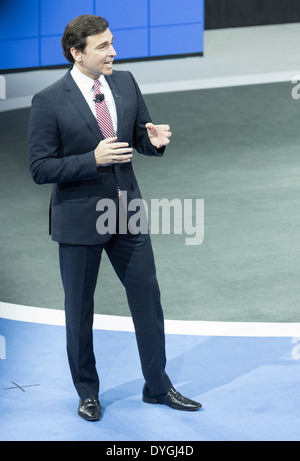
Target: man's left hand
<point>159,135</point>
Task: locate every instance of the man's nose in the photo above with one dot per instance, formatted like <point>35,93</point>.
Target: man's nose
<point>112,51</point>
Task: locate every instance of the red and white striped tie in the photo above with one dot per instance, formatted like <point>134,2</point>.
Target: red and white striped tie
<point>104,118</point>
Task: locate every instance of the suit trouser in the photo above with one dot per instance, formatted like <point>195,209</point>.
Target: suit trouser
<point>132,258</point>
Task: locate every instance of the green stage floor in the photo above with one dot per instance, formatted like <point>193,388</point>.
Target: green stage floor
<point>235,148</point>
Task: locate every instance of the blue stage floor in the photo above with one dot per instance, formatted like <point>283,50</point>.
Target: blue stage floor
<point>248,386</point>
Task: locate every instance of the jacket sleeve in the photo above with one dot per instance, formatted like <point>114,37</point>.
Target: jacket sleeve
<point>141,141</point>
<point>46,161</point>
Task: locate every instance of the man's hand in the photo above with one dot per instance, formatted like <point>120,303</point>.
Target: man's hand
<point>109,152</point>
<point>158,134</point>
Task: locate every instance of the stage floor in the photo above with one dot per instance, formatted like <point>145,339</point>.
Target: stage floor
<point>248,387</point>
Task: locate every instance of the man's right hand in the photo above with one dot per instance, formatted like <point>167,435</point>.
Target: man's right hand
<point>109,152</point>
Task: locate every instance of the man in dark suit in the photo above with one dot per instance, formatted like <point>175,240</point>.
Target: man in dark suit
<point>82,132</point>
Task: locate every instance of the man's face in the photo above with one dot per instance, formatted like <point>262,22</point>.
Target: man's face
<point>97,58</point>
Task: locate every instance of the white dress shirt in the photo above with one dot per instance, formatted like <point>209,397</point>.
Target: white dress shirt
<point>85,84</point>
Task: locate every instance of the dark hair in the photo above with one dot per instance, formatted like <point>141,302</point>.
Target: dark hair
<point>78,29</point>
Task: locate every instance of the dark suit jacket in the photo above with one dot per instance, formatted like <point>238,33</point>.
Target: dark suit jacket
<point>63,133</point>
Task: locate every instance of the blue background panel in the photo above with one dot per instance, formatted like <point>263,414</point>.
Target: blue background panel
<point>124,15</point>
<point>19,53</point>
<point>19,19</point>
<point>163,12</point>
<point>56,14</point>
<point>51,51</point>
<point>31,30</point>
<point>176,39</point>
<point>131,43</point>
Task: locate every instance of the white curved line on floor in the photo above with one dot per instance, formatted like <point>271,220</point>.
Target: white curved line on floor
<point>181,327</point>
<point>220,82</point>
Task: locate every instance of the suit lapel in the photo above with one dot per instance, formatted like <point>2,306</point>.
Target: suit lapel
<point>116,92</point>
<point>77,98</point>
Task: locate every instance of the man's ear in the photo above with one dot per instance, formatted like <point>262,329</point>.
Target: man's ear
<point>77,55</point>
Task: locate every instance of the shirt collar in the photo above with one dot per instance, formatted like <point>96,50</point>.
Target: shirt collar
<point>84,82</point>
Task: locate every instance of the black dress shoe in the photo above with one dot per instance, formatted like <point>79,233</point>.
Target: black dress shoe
<point>89,409</point>
<point>172,399</point>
